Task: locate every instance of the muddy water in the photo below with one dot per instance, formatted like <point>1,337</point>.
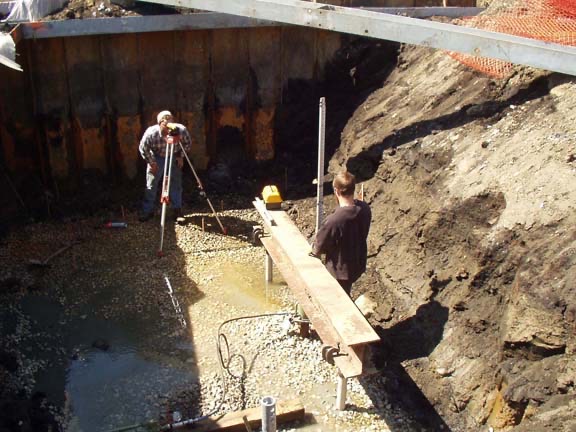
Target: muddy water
<point>110,373</point>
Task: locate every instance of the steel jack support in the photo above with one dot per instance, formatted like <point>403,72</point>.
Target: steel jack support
<point>341,389</point>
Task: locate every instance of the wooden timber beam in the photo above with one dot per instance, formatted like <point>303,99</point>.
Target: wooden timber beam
<point>481,43</point>
<point>333,314</point>
<point>286,411</point>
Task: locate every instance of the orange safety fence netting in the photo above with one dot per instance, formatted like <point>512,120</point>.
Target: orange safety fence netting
<point>545,20</point>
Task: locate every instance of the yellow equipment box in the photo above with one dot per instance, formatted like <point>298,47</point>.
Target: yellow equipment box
<point>271,197</point>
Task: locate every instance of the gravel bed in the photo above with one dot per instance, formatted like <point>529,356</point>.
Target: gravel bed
<point>114,274</point>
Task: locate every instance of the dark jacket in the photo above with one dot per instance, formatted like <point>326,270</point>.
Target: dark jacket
<point>342,238</point>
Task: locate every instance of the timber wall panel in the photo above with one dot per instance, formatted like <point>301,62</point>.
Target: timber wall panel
<point>230,71</point>
<point>86,92</point>
<point>192,81</point>
<point>265,88</point>
<point>121,75</point>
<point>50,82</point>
<point>17,124</point>
<point>327,45</point>
<point>158,91</point>
<point>298,53</point>
<point>94,96</point>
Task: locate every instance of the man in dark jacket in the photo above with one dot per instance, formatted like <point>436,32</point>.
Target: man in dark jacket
<point>343,235</point>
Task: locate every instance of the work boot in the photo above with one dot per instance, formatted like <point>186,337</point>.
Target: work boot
<point>178,217</point>
<point>144,217</point>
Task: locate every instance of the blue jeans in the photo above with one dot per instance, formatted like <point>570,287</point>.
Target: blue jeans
<point>152,181</point>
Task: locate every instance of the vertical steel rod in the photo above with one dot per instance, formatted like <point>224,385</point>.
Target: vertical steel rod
<point>268,414</point>
<point>341,392</point>
<point>268,267</point>
<point>320,176</point>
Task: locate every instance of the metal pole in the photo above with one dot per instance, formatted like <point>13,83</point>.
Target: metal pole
<point>268,267</point>
<point>268,414</point>
<point>165,198</point>
<point>341,393</point>
<point>320,176</point>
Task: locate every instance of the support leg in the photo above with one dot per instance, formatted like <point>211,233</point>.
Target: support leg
<point>268,267</point>
<point>304,324</point>
<point>341,389</point>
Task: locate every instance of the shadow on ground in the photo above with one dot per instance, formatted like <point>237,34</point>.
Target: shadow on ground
<point>412,338</point>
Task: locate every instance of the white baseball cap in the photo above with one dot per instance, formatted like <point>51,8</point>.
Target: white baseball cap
<point>163,114</point>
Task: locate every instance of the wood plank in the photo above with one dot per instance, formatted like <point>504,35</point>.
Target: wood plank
<point>193,78</point>
<point>229,122</point>
<point>120,66</point>
<point>286,411</point>
<point>85,89</point>
<point>350,364</point>
<point>157,70</point>
<point>324,290</point>
<point>51,83</point>
<point>264,90</point>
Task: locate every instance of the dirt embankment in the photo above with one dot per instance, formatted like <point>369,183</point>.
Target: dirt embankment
<point>473,248</point>
<point>81,9</point>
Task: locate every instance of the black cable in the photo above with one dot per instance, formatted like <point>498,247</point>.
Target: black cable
<point>225,366</point>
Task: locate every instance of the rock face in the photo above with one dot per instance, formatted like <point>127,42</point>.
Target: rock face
<point>473,211</point>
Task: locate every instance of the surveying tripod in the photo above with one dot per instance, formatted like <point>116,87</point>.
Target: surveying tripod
<point>172,140</point>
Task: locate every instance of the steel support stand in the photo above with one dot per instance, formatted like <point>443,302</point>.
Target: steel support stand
<point>268,267</point>
<point>341,389</point>
<point>268,404</point>
<point>303,324</point>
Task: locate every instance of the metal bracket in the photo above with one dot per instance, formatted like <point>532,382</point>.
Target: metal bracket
<point>257,234</point>
<point>330,352</point>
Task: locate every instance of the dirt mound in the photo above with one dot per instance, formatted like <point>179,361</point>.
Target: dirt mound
<point>81,9</point>
<point>471,249</point>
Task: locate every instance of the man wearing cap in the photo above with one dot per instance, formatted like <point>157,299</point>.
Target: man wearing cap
<point>153,150</point>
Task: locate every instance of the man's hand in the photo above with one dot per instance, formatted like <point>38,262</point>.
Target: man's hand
<point>313,255</point>
<point>180,162</point>
<point>153,168</point>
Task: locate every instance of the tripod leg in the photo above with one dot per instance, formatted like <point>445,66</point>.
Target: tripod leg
<point>165,193</point>
<point>202,188</point>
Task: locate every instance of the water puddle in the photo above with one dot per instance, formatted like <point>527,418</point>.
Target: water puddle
<point>108,373</point>
<point>246,287</point>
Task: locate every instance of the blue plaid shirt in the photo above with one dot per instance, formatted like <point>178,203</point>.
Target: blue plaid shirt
<point>153,143</point>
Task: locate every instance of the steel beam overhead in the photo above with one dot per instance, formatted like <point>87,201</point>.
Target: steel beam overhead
<point>140,24</point>
<point>427,11</point>
<point>482,43</point>
<point>196,21</point>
